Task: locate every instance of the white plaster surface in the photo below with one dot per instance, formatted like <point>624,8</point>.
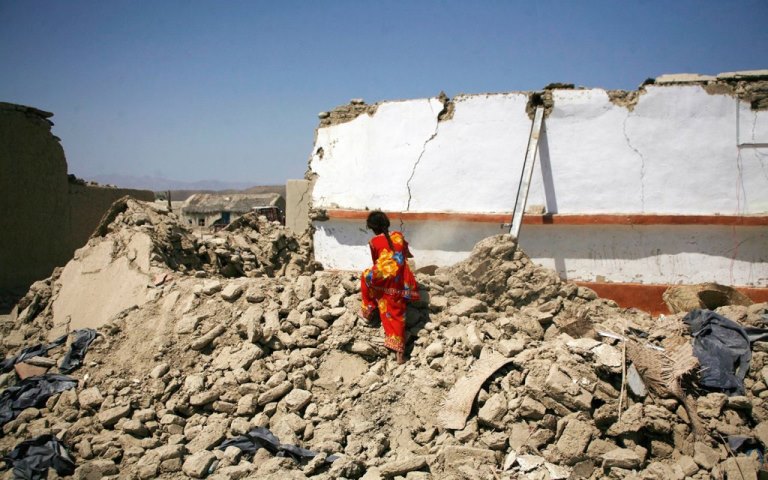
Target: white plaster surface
<point>642,254</point>
<point>678,151</point>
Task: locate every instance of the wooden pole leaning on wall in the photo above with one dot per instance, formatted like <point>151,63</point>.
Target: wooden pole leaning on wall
<point>527,173</point>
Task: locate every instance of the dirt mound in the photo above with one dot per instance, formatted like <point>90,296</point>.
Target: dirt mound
<point>212,355</point>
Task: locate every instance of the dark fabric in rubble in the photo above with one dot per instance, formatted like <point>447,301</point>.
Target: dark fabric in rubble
<point>31,392</point>
<point>723,348</point>
<point>262,438</point>
<point>31,459</point>
<point>39,350</point>
<point>77,350</point>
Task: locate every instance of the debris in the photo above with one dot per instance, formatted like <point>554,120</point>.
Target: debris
<point>459,400</point>
<point>78,348</point>
<point>723,348</point>
<point>31,392</point>
<point>32,458</point>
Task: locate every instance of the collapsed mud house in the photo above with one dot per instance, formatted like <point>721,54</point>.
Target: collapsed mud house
<point>206,209</point>
<point>46,213</point>
<point>211,349</point>
<point>632,191</point>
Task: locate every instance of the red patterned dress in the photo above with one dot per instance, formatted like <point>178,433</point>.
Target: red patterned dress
<point>388,285</point>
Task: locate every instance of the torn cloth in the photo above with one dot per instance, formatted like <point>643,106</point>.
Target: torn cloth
<point>31,392</point>
<point>31,459</point>
<point>39,350</point>
<point>74,357</point>
<point>262,438</point>
<point>723,348</point>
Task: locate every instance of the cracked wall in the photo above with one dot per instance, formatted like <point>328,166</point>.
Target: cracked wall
<point>669,149</point>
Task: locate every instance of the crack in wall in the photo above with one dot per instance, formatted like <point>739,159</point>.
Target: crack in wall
<point>416,164</point>
<point>642,162</point>
<point>447,108</point>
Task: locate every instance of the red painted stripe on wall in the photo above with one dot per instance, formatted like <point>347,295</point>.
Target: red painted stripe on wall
<point>558,219</point>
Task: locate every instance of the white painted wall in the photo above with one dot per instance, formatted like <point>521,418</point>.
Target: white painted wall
<point>618,253</point>
<point>680,150</point>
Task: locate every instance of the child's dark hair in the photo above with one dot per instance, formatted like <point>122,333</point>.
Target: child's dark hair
<point>379,223</point>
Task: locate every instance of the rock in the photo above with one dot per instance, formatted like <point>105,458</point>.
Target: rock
<point>493,411</point>
<point>232,358</point>
<point>203,398</point>
<point>96,469</point>
<point>434,349</point>
<point>687,465</point>
<point>274,394</point>
<point>25,370</point>
<point>529,462</point>
<point>739,402</point>
<point>210,436</point>
<point>711,405</point>
<point>561,388</point>
<point>197,464</point>
<point>160,370</point>
<point>531,409</point>
<point>621,458</point>
<point>739,467</point>
<point>511,347</point>
<point>761,433</point>
<point>457,455</point>
<point>231,292</point>
<point>607,356</point>
<point>401,467</point>
<point>188,323</point>
<point>206,339</point>
<point>297,399</point>
<point>110,416</point>
<point>574,441</point>
<point>467,306</point>
<point>475,339</point>
<point>705,456</point>
<point>41,362</point>
<point>211,286</point>
<point>135,428</point>
<point>364,349</point>
<point>90,398</point>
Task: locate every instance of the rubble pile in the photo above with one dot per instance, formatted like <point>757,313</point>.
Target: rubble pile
<point>214,356</point>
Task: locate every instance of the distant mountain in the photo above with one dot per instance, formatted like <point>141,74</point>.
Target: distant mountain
<point>155,184</point>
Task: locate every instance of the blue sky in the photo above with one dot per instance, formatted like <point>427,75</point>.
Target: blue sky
<point>230,90</point>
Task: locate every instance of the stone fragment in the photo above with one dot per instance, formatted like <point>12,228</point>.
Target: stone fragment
<point>401,467</point>
<point>711,405</point>
<point>110,416</point>
<point>276,393</point>
<point>211,286</point>
<point>197,464</point>
<point>210,436</point>
<point>574,441</point>
<point>434,349</point>
<point>457,455</point>
<point>41,362</point>
<point>529,462</point>
<point>475,339</point>
<point>188,323</point>
<point>297,399</point>
<point>511,347</point>
<point>467,306</point>
<point>232,358</point>
<point>739,467</point>
<point>203,398</point>
<point>705,456</point>
<point>687,465</point>
<point>25,370</point>
<point>232,292</point>
<point>621,458</point>
<point>96,469</point>
<point>205,340</point>
<point>607,355</point>
<point>761,433</point>
<point>531,409</point>
<point>90,398</point>
<point>493,411</point>
<point>160,370</point>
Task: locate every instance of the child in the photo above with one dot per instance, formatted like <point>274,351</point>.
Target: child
<point>389,284</point>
